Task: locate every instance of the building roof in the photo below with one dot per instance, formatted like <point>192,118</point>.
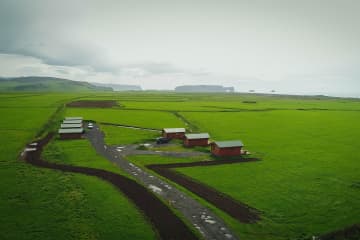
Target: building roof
<point>228,144</point>
<point>71,125</point>
<point>73,118</point>
<point>174,130</point>
<point>197,135</point>
<point>71,130</point>
<point>72,121</point>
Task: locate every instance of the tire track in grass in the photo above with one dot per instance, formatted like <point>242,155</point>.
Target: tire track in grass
<point>168,225</point>
<point>130,126</point>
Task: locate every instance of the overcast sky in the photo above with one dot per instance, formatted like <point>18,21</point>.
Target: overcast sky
<point>287,45</point>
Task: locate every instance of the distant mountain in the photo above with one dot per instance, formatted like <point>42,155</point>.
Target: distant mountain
<point>47,84</point>
<point>119,87</point>
<point>203,88</point>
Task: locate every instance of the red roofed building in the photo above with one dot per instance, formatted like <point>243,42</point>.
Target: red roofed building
<point>196,139</point>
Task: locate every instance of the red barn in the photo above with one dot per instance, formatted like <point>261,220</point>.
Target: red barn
<point>226,148</point>
<point>196,139</point>
<point>174,133</point>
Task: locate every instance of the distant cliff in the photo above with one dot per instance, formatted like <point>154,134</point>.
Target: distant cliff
<point>203,88</point>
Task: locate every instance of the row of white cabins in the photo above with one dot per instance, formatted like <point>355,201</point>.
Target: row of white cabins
<point>71,128</point>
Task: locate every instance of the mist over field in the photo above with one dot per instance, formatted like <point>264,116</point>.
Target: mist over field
<point>298,47</point>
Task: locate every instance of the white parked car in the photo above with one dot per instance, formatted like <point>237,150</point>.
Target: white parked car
<point>90,125</point>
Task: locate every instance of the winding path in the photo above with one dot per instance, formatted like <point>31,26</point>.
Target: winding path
<point>236,209</point>
<point>202,218</point>
<point>168,225</point>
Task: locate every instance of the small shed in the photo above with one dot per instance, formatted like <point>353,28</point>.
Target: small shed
<point>174,133</point>
<point>71,133</point>
<point>78,121</point>
<point>71,125</point>
<point>196,139</point>
<point>73,118</point>
<point>226,148</point>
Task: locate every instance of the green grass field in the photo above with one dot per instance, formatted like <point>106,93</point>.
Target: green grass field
<point>148,119</point>
<point>112,215</point>
<point>307,182</point>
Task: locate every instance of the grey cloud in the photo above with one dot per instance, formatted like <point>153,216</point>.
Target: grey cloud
<point>62,71</point>
<point>156,68</point>
<point>30,70</point>
<point>22,34</point>
<point>253,43</point>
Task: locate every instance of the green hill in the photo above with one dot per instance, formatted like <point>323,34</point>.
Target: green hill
<point>47,84</point>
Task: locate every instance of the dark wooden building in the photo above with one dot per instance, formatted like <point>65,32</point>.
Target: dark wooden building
<point>226,148</point>
<point>71,133</point>
<point>196,139</point>
<point>174,133</point>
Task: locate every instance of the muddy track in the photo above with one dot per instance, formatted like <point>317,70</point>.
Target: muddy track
<point>168,225</point>
<point>190,125</point>
<point>238,210</point>
<point>129,126</point>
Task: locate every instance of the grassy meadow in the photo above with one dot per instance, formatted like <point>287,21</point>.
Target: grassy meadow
<point>148,119</point>
<point>306,183</point>
<point>109,215</point>
<point>119,135</point>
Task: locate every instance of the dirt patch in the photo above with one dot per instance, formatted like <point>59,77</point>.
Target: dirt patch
<point>352,232</point>
<point>168,225</point>
<point>238,210</point>
<point>93,104</point>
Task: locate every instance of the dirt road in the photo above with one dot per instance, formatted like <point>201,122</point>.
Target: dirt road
<point>236,209</point>
<point>203,219</point>
<point>168,225</point>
